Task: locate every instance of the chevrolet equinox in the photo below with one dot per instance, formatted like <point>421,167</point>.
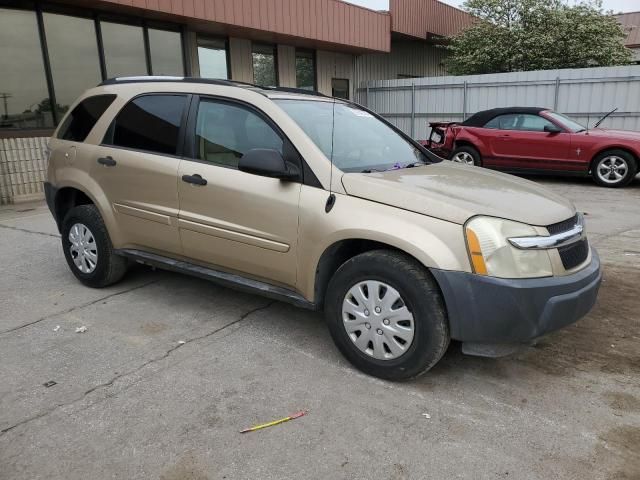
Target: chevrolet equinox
<point>322,203</point>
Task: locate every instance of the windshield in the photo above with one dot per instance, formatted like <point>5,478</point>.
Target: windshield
<point>360,142</point>
<point>572,125</point>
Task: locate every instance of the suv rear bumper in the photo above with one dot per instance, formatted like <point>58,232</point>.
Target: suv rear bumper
<point>496,310</point>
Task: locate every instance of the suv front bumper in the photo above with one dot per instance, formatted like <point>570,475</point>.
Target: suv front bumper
<point>489,310</point>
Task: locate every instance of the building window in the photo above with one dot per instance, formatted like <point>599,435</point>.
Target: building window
<point>73,55</point>
<point>165,48</point>
<point>123,49</point>
<point>305,69</point>
<point>212,57</point>
<point>340,88</point>
<point>265,65</point>
<point>150,123</point>
<point>24,98</point>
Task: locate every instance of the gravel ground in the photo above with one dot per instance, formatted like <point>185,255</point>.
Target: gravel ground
<point>132,401</point>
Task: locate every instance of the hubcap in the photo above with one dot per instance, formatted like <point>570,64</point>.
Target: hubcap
<point>612,169</point>
<point>83,248</point>
<point>463,157</point>
<point>377,320</point>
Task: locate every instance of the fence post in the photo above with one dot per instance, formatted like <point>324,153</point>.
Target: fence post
<point>557,93</point>
<point>413,111</point>
<point>464,102</point>
<point>367,104</point>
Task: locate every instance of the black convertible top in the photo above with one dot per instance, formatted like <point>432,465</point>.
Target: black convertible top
<point>480,119</point>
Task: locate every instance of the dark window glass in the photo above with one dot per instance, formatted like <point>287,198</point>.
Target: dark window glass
<point>305,70</point>
<point>83,117</point>
<point>532,123</point>
<point>24,98</point>
<point>166,52</point>
<point>73,53</point>
<point>265,66</point>
<point>225,132</point>
<point>340,88</point>
<point>520,121</point>
<point>212,57</point>
<point>149,123</point>
<point>123,49</point>
<point>503,122</point>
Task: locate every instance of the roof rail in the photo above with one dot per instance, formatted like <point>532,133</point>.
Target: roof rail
<point>302,91</point>
<point>209,81</point>
<point>158,78</point>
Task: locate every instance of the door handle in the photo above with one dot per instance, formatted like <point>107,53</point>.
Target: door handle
<point>107,161</point>
<point>194,179</point>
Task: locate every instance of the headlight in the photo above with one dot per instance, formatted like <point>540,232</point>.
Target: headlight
<point>491,254</point>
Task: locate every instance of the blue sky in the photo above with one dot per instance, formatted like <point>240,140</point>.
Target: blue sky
<point>615,5</point>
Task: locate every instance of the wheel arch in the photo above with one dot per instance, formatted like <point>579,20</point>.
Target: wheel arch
<point>608,148</point>
<point>67,198</point>
<point>336,254</point>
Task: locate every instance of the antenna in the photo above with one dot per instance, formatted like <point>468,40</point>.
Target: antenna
<point>331,200</point>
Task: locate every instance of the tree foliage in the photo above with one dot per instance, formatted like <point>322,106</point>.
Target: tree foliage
<point>518,35</point>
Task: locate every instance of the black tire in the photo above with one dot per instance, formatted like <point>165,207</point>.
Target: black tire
<point>109,268</point>
<point>465,149</point>
<point>625,158</point>
<point>420,294</point>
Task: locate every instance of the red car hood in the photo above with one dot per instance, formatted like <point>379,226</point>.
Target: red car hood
<point>619,134</point>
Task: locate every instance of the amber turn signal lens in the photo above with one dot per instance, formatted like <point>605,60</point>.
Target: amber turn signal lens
<point>477,260</point>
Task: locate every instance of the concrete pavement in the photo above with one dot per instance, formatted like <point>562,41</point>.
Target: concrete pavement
<point>131,401</point>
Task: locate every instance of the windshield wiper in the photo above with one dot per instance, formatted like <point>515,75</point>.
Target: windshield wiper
<point>604,118</point>
<point>416,164</point>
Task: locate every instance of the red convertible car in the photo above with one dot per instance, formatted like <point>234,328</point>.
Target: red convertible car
<point>538,140</point>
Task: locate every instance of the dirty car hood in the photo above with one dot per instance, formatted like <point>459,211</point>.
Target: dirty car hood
<point>456,192</point>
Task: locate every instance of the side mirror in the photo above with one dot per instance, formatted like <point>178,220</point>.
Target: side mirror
<point>552,129</point>
<point>267,163</point>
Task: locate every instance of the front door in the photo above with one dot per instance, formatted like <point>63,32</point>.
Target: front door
<point>519,141</point>
<point>231,219</point>
<point>137,168</point>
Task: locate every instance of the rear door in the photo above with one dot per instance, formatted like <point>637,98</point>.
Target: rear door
<point>519,141</point>
<point>237,221</point>
<point>137,168</point>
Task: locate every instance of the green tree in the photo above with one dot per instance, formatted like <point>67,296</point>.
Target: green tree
<point>518,35</point>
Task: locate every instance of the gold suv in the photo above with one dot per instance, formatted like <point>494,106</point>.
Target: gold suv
<point>319,202</point>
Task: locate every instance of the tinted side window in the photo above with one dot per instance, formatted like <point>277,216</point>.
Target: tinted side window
<point>150,123</point>
<point>83,117</point>
<point>225,132</point>
<point>533,123</point>
<point>503,122</point>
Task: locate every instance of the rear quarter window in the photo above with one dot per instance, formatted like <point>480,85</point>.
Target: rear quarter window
<point>149,123</point>
<point>83,117</point>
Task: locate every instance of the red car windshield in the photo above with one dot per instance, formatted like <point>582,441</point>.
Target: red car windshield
<point>566,122</point>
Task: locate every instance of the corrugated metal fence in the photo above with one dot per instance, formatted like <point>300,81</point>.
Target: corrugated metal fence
<point>584,94</point>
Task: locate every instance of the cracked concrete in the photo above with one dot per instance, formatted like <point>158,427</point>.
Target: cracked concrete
<point>132,401</point>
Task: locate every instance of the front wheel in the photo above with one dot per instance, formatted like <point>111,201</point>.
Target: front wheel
<point>386,315</point>
<point>615,168</point>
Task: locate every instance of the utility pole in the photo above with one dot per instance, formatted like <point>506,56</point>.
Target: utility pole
<point>5,97</point>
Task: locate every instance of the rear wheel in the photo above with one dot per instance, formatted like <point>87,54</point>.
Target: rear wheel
<point>615,168</point>
<point>88,250</point>
<point>467,155</point>
<point>386,315</point>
